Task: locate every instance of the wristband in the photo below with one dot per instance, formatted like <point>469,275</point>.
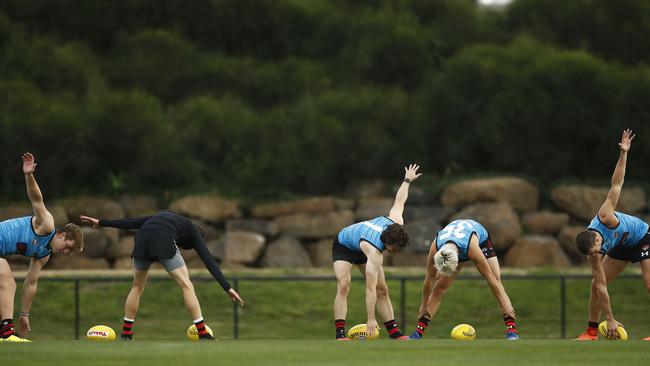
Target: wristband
<point>407,180</point>
<point>22,313</point>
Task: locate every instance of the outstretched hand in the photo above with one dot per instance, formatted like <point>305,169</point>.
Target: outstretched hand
<point>29,165</point>
<point>89,221</point>
<point>626,140</point>
<point>411,172</point>
<point>234,296</point>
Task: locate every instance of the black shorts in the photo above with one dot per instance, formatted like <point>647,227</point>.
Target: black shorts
<point>343,253</point>
<point>635,254</point>
<point>486,249</point>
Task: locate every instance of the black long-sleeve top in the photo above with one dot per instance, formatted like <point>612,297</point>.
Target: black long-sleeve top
<point>157,235</point>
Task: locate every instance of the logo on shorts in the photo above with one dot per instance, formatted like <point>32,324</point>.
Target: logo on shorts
<point>645,251</point>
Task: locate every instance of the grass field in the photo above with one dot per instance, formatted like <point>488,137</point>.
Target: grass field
<point>327,352</point>
<point>276,309</point>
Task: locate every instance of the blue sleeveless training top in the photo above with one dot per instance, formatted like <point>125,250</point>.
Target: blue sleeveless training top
<point>17,236</point>
<point>369,231</point>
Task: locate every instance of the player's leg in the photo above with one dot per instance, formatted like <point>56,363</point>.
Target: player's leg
<point>7,293</point>
<point>612,268</point>
<point>385,307</point>
<point>511,325</point>
<point>178,270</point>
<point>140,272</point>
<point>343,273</point>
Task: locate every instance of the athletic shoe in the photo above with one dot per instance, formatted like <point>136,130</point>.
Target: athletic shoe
<point>512,336</point>
<point>126,337</point>
<point>402,338</point>
<point>15,338</point>
<point>586,336</point>
<point>646,339</point>
<point>343,339</point>
<point>415,335</point>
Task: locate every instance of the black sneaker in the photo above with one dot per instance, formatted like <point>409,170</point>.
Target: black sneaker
<point>206,337</point>
<point>126,337</point>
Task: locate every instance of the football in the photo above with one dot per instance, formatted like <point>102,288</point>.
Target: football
<point>101,333</point>
<point>622,334</point>
<point>193,334</point>
<point>463,332</point>
<point>358,333</point>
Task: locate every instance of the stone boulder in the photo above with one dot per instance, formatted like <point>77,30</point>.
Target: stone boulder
<point>17,259</point>
<point>209,208</point>
<point>138,205</point>
<point>545,222</point>
<point>421,234</point>
<point>95,242</point>
<point>407,259</point>
<point>320,252</point>
<point>412,213</point>
<point>120,249</point>
<point>286,252</point>
<point>375,188</point>
<point>120,263</point>
<point>314,226</point>
<point>584,202</point>
<point>371,207</point>
<point>101,208</point>
<point>15,210</point>
<point>267,228</point>
<point>60,215</point>
<point>344,204</point>
<point>238,247</point>
<point>522,195</point>
<point>61,261</point>
<point>536,251</point>
<point>210,232</point>
<point>499,219</point>
<point>567,240</point>
<point>309,205</point>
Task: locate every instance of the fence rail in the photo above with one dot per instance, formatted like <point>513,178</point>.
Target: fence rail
<point>236,281</point>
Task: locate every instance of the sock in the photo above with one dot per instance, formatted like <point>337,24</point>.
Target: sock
<point>200,328</point>
<point>511,326</point>
<point>7,328</point>
<point>391,328</point>
<point>592,328</point>
<point>423,323</point>
<point>127,328</point>
<point>340,328</point>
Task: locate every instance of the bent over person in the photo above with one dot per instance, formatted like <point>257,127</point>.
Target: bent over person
<point>611,241</point>
<point>461,241</point>
<point>157,240</point>
<point>35,237</point>
<point>362,245</point>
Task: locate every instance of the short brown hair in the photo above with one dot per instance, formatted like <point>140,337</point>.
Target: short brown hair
<point>74,232</point>
<point>395,234</point>
<point>585,240</point>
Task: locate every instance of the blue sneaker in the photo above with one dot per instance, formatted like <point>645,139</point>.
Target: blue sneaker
<point>512,336</point>
<point>415,335</point>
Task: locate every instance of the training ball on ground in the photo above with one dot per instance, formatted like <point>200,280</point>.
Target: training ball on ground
<point>358,333</point>
<point>193,334</point>
<point>101,333</point>
<point>463,332</point>
<point>622,334</point>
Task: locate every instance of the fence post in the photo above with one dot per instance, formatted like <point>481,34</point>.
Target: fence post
<point>563,306</point>
<point>77,317</point>
<point>402,300</point>
<point>235,311</point>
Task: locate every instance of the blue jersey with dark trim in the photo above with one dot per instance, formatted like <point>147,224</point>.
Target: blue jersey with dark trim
<point>17,236</point>
<point>629,232</point>
<point>459,232</point>
<point>369,231</point>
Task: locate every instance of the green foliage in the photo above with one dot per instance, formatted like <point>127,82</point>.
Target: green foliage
<point>264,98</point>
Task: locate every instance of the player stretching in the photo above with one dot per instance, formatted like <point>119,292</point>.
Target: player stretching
<point>35,237</point>
<point>362,244</point>
<point>458,242</point>
<point>158,239</point>
<point>611,240</point>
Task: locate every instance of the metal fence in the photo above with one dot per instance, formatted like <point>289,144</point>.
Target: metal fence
<point>236,281</point>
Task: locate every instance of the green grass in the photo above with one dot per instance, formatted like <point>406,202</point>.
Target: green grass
<point>326,352</point>
<point>303,309</point>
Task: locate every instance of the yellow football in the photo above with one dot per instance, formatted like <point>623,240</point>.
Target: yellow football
<point>193,334</point>
<point>622,334</point>
<point>359,333</point>
<point>463,332</point>
<point>101,333</point>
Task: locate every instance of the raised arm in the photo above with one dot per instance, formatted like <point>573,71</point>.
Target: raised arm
<point>132,223</point>
<point>427,286</point>
<point>43,220</point>
<point>410,175</point>
<point>213,268</point>
<point>375,260</point>
<point>600,285</point>
<point>476,255</point>
<point>606,211</point>
<point>29,292</point>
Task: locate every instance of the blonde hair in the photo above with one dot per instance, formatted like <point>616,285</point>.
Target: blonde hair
<point>446,260</point>
<point>73,231</point>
